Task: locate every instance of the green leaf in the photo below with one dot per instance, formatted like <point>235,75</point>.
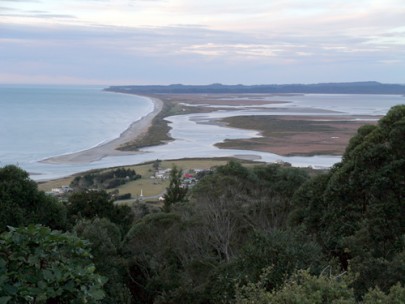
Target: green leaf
<point>97,294</point>
<point>4,300</point>
<point>42,284</point>
<point>47,275</point>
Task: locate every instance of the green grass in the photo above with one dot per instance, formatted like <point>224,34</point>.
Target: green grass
<point>153,187</point>
<point>150,187</point>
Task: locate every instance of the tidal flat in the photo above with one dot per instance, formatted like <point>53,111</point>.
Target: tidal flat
<point>283,130</point>
<point>304,130</point>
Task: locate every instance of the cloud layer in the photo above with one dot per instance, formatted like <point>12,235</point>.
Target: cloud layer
<point>171,41</point>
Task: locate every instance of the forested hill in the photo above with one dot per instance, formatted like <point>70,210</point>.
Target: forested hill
<point>369,87</point>
<point>242,234</point>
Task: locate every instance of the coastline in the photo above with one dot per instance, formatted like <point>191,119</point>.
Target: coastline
<point>135,130</point>
<point>319,150</point>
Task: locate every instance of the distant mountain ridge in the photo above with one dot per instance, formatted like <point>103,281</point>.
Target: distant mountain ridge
<point>367,87</point>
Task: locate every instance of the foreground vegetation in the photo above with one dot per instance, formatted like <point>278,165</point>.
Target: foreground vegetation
<point>262,234</point>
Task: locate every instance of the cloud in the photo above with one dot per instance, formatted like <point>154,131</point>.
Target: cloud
<point>39,15</point>
<point>239,50</point>
<point>19,12</point>
<point>248,42</point>
<point>4,9</point>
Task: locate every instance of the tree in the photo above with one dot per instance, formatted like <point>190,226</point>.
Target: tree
<point>301,288</point>
<point>150,246</point>
<point>357,210</point>
<point>221,204</point>
<point>175,193</point>
<point>21,203</point>
<point>272,192</point>
<point>92,204</point>
<point>304,288</point>
<point>156,164</point>
<point>284,251</point>
<point>40,265</point>
<point>105,244</point>
<point>396,295</point>
<point>309,205</point>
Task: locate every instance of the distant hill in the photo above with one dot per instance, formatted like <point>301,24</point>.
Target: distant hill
<point>368,87</point>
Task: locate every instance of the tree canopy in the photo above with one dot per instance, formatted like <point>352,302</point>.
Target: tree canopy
<point>243,234</point>
<point>21,203</point>
<point>40,265</point>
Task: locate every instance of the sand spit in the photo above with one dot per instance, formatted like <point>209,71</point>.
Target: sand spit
<point>135,130</point>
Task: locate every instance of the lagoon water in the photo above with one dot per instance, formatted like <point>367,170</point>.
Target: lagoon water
<point>40,122</point>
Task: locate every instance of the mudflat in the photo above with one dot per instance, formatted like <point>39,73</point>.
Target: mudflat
<point>285,134</point>
<point>291,135</point>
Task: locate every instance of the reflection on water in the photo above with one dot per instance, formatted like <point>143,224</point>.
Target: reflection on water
<point>194,137</point>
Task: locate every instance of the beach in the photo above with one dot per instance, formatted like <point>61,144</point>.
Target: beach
<point>329,138</point>
<point>135,130</point>
<point>305,131</point>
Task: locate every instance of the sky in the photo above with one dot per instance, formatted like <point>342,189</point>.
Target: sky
<point>122,42</point>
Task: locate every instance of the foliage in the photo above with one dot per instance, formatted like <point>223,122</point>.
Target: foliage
<point>40,265</point>
<point>175,193</point>
<point>304,288</point>
<point>105,244</point>
<point>259,197</point>
<point>124,196</point>
<point>150,247</point>
<point>357,211</point>
<point>283,251</point>
<point>156,164</point>
<point>301,288</point>
<point>260,234</point>
<point>21,203</point>
<point>104,179</point>
<point>88,205</point>
<point>396,295</point>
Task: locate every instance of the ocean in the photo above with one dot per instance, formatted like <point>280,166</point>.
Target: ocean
<point>41,122</point>
<point>37,122</point>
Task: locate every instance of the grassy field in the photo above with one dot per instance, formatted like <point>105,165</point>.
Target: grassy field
<point>150,187</point>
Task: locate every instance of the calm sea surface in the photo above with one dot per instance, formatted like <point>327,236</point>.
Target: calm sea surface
<point>40,122</point>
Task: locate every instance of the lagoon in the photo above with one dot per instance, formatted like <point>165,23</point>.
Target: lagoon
<point>41,122</point>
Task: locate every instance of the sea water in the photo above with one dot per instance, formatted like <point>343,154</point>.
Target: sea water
<point>38,122</point>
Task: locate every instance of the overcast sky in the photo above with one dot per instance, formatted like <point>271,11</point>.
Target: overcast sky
<point>201,41</point>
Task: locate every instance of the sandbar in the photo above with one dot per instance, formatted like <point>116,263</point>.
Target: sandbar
<point>135,130</point>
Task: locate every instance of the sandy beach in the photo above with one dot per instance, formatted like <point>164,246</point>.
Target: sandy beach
<point>135,130</point>
<point>285,134</point>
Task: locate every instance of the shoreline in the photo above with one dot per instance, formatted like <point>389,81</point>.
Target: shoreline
<point>265,144</point>
<point>110,148</point>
